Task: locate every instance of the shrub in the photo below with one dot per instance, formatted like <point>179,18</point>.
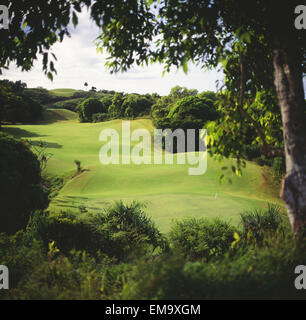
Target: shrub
<point>66,231</point>
<point>202,238</point>
<point>251,271</point>
<point>118,232</point>
<point>255,273</point>
<point>40,273</point>
<point>258,223</point>
<point>130,224</point>
<point>21,191</point>
<point>20,257</point>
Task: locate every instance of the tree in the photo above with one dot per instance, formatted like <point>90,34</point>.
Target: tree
<point>175,32</point>
<point>89,107</point>
<point>135,105</point>
<point>178,92</point>
<point>159,113</point>
<point>162,106</point>
<point>192,113</point>
<point>183,107</point>
<point>21,191</point>
<point>116,110</point>
<point>17,106</point>
<point>106,102</point>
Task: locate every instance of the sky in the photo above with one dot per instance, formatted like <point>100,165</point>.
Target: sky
<point>78,62</point>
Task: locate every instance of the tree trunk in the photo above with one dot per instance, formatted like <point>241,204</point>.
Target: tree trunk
<point>288,81</point>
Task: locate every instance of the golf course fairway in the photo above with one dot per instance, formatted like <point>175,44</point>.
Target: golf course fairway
<point>168,192</point>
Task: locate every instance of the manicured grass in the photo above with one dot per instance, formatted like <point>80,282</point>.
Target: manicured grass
<point>64,92</point>
<point>167,190</point>
<point>54,115</point>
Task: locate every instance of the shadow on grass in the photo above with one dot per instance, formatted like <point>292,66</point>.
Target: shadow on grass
<point>21,133</point>
<point>54,115</point>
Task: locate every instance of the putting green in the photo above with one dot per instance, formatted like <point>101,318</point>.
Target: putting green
<point>167,190</point>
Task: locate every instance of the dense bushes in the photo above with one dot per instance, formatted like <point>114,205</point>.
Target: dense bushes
<point>20,184</point>
<point>256,272</point>
<point>246,269</point>
<point>117,233</point>
<point>182,108</point>
<point>205,260</point>
<point>130,105</point>
<point>37,273</point>
<point>202,238</point>
<point>19,109</point>
<point>257,223</point>
<point>16,106</point>
<point>118,105</point>
<point>41,95</point>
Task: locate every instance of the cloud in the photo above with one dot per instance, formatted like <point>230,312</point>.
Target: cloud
<point>78,61</point>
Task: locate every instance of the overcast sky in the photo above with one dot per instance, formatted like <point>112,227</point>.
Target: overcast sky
<point>78,62</point>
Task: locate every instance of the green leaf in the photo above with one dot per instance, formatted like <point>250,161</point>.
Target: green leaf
<point>237,239</point>
<point>50,76</point>
<point>75,19</point>
<point>185,67</point>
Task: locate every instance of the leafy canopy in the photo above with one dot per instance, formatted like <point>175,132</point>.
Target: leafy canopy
<point>141,32</point>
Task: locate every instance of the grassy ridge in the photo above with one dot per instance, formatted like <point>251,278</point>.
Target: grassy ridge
<point>64,92</point>
<point>168,191</point>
